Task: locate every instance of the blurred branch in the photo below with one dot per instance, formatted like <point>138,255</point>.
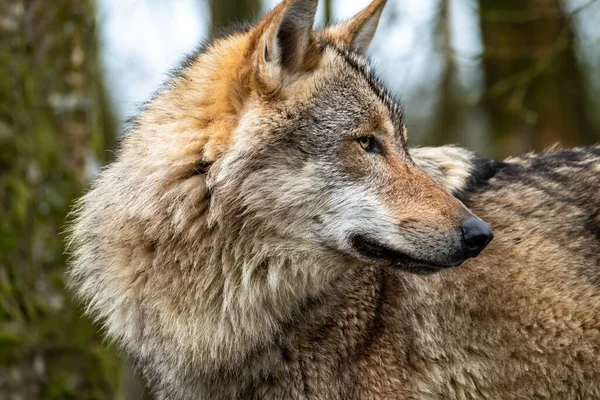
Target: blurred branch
<point>534,91</point>
<point>526,52</point>
<point>533,14</point>
<point>543,62</point>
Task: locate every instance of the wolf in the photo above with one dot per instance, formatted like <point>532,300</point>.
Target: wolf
<point>267,232</point>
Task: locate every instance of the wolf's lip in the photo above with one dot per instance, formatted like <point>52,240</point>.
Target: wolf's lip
<point>371,249</point>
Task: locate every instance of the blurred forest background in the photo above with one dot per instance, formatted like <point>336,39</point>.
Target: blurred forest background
<point>498,76</point>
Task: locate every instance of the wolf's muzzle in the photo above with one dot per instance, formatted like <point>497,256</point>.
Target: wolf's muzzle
<point>469,240</point>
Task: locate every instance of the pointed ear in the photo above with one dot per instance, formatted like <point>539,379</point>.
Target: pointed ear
<point>357,32</point>
<point>284,42</point>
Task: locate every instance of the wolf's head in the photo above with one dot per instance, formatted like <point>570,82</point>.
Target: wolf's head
<point>317,155</point>
<point>297,142</point>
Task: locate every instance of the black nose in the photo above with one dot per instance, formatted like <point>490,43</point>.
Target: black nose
<point>476,235</point>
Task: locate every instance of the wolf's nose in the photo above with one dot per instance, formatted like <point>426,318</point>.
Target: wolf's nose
<point>476,235</point>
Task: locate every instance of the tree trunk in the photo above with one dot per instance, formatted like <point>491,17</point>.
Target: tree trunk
<point>54,125</point>
<point>328,12</point>
<point>534,87</point>
<point>226,13</point>
<point>444,129</point>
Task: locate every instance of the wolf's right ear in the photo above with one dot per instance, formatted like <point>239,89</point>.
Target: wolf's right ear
<point>284,43</point>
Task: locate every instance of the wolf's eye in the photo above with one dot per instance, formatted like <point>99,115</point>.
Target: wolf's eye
<point>369,144</point>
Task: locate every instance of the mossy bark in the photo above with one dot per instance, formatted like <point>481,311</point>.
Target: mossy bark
<point>54,129</point>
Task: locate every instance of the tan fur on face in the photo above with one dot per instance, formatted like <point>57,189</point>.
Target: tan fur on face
<point>425,203</point>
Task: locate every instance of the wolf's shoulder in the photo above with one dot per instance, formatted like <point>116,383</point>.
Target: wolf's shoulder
<point>558,173</point>
<point>544,203</point>
<point>464,173</point>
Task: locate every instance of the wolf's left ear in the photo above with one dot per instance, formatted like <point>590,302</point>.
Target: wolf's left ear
<point>357,32</point>
<point>285,42</point>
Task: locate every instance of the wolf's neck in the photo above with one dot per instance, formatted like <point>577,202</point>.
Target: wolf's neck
<point>241,297</point>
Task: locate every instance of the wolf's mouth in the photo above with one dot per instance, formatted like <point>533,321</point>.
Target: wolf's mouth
<point>371,249</point>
